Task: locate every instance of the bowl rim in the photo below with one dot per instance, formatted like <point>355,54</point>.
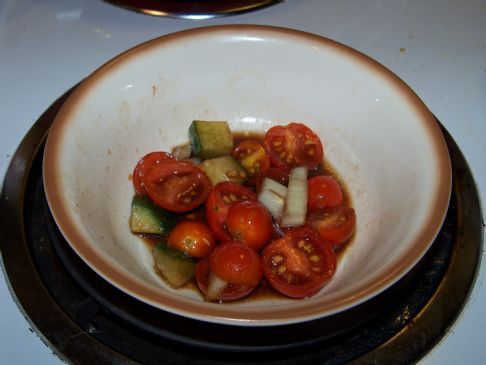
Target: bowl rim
<point>251,316</point>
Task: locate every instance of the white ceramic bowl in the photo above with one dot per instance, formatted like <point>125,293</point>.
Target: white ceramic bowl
<point>378,135</point>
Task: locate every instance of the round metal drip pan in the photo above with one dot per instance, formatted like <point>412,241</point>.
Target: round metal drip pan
<point>192,9</point>
<point>86,320</point>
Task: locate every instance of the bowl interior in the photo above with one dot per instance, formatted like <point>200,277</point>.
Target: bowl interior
<point>377,134</point>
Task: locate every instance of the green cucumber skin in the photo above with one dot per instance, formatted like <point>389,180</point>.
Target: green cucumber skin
<point>148,218</point>
<point>174,266</point>
<point>194,139</point>
<point>217,170</point>
<point>210,139</point>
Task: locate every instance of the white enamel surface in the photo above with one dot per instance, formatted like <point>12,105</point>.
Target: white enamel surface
<point>375,136</point>
<point>438,47</point>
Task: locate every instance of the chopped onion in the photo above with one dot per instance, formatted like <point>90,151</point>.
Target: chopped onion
<point>295,208</point>
<point>182,152</point>
<point>194,160</point>
<point>272,196</point>
<point>215,287</point>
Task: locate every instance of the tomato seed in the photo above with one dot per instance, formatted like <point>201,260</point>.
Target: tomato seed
<point>277,259</point>
<point>232,173</point>
<point>315,258</point>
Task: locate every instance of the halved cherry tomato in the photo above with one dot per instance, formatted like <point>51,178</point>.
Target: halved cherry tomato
<point>218,202</point>
<point>300,263</point>
<point>252,156</point>
<point>177,186</point>
<point>323,192</point>
<point>146,163</point>
<point>335,225</point>
<point>230,293</point>
<point>236,263</point>
<point>293,145</point>
<point>249,222</point>
<point>193,238</point>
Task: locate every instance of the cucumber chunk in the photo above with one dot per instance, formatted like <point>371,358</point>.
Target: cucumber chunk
<point>224,169</point>
<point>148,218</point>
<point>174,266</point>
<point>210,139</point>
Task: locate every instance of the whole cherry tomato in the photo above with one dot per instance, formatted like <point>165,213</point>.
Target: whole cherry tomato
<point>323,192</point>
<point>249,222</point>
<point>236,263</point>
<point>217,205</point>
<point>193,238</point>
<point>230,293</point>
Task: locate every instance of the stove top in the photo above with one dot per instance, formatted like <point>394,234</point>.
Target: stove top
<point>87,320</point>
<point>438,47</point>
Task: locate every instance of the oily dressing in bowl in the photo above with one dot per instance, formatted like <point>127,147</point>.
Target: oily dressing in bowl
<point>379,137</point>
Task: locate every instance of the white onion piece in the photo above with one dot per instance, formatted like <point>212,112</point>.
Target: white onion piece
<point>182,152</point>
<point>194,160</point>
<point>295,208</point>
<point>272,196</point>
<point>215,287</point>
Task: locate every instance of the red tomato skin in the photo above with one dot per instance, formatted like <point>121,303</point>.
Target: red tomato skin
<point>249,222</point>
<point>335,225</point>
<point>299,264</point>
<point>218,203</point>
<point>252,156</point>
<point>293,145</point>
<point>169,185</point>
<point>236,263</point>
<point>193,238</point>
<point>323,192</point>
<point>230,293</point>
<point>146,163</point>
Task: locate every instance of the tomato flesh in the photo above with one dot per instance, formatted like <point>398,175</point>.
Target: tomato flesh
<point>323,192</point>
<point>217,205</point>
<point>252,156</point>
<point>334,225</point>
<point>177,186</point>
<point>300,263</point>
<point>193,238</point>
<point>293,145</point>
<point>249,222</point>
<point>146,163</point>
